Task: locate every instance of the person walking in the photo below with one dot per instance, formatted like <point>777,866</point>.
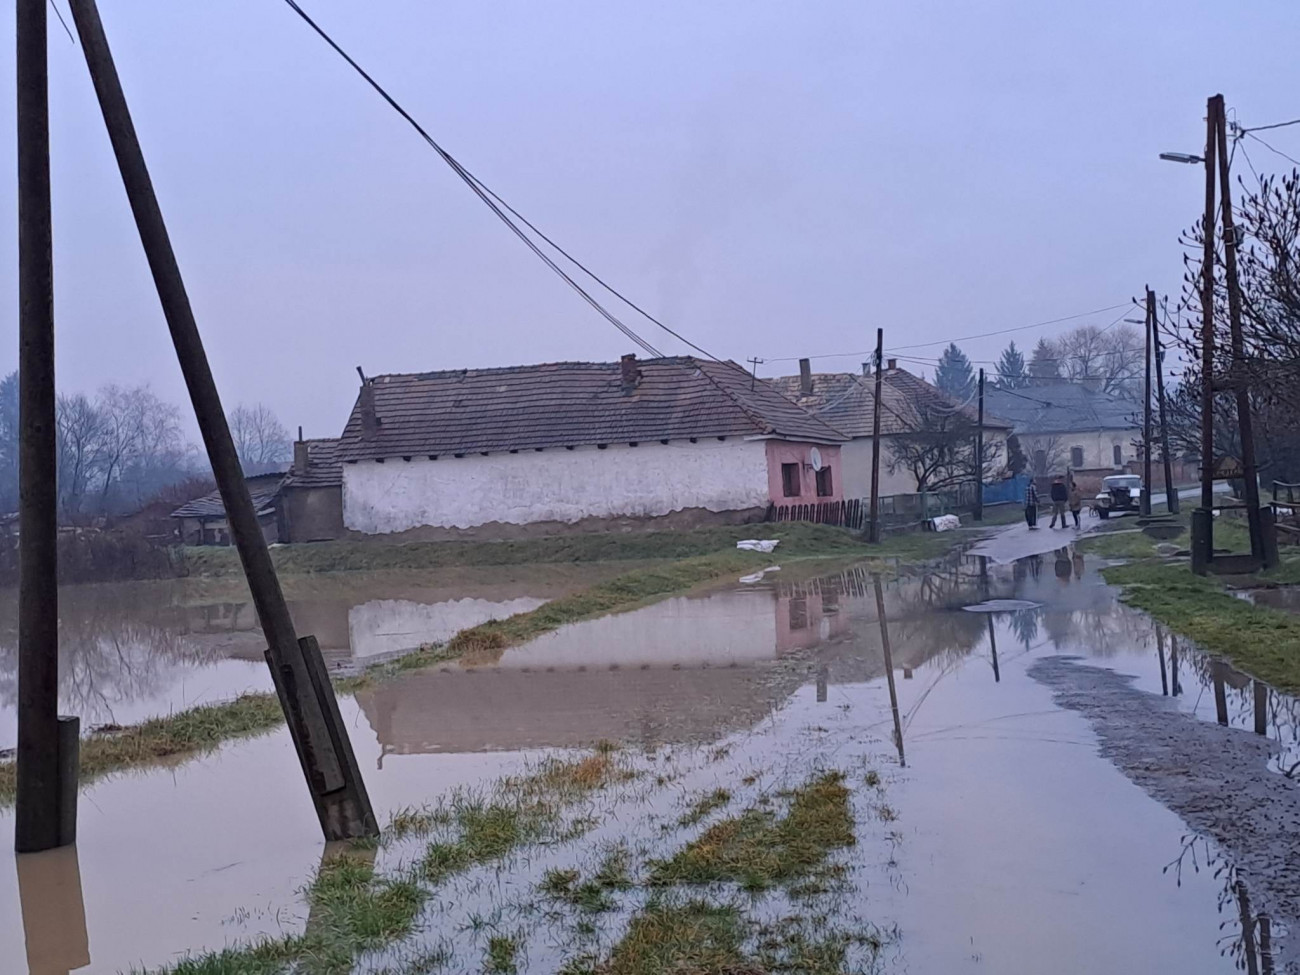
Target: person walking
<point>1031,505</point>
<point>1060,495</point>
<point>1076,501</point>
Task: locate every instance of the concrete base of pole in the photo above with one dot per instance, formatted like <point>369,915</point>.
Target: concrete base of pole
<point>1202,540</point>
<point>1267,537</point>
<point>69,770</point>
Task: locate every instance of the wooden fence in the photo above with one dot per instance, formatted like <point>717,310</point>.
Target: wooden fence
<point>846,514</point>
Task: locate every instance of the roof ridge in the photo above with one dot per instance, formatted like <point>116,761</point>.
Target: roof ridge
<point>480,370</point>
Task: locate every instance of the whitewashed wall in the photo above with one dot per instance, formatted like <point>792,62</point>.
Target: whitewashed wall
<point>1098,447</point>
<point>855,460</point>
<point>554,485</point>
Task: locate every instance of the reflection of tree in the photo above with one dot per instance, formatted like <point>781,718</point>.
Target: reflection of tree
<point>1245,936</point>
<point>116,645</point>
<point>1025,624</point>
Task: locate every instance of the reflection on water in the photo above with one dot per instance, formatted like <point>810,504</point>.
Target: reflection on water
<point>133,651</point>
<point>54,916</point>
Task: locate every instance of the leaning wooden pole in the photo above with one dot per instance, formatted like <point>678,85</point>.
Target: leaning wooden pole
<point>45,805</point>
<point>306,694</point>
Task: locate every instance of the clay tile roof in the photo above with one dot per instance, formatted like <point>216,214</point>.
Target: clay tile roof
<point>324,469</point>
<point>570,404</point>
<point>847,401</point>
<point>265,489</point>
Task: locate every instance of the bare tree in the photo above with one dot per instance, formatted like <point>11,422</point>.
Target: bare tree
<point>1112,357</point>
<point>260,438</point>
<point>80,431</point>
<point>939,451</point>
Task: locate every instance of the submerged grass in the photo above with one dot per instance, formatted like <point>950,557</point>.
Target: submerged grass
<point>352,908</point>
<point>1262,641</point>
<point>759,850</point>
<point>594,893</point>
<point>703,806</point>
<point>186,733</point>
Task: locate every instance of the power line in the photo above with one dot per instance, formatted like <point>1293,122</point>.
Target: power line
<point>503,210</point>
<point>1290,159</point>
<point>960,338</point>
<point>1275,125</point>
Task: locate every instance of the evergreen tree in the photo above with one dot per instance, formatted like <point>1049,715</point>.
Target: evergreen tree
<point>1045,363</point>
<point>1011,369</point>
<point>954,374</point>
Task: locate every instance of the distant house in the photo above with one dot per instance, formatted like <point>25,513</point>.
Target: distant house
<point>203,520</point>
<point>1064,424</point>
<point>311,497</point>
<point>846,400</point>
<point>528,449</point>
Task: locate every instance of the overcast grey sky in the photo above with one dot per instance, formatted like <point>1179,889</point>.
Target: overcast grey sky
<point>770,178</point>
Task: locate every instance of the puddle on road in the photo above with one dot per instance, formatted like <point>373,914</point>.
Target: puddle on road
<point>1011,845</point>
<point>137,650</point>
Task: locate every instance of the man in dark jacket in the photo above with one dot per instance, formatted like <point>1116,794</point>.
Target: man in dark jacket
<point>1060,495</point>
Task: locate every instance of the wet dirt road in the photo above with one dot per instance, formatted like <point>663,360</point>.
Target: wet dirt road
<point>1022,834</point>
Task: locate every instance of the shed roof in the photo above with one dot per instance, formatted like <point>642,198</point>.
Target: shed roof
<point>264,488</point>
<point>571,404</point>
<point>1061,406</point>
<point>324,469</point>
<point>847,401</point>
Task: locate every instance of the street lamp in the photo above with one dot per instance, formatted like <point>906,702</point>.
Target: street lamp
<point>1182,157</point>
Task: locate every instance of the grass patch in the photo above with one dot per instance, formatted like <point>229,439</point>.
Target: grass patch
<point>1261,641</point>
<point>758,849</point>
<point>592,894</point>
<point>704,806</point>
<point>195,731</point>
<point>797,539</point>
<point>499,959</point>
<point>699,937</point>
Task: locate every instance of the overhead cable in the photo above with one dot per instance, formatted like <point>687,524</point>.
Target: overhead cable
<point>504,211</point>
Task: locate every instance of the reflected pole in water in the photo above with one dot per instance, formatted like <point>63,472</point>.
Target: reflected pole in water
<point>1160,652</point>
<point>54,914</point>
<point>1247,929</point>
<point>1173,665</point>
<point>993,646</point>
<point>1220,693</point>
<point>889,668</point>
<point>1261,707</point>
<point>822,673</point>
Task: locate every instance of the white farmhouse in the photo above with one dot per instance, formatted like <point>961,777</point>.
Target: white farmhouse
<point>531,449</point>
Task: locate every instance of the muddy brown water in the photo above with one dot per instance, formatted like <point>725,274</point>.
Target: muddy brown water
<point>134,651</point>
<point>1017,846</point>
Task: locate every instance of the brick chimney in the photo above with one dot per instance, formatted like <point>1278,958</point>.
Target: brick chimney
<point>369,418</point>
<point>866,368</point>
<point>631,375</point>
<point>892,363</point>
<point>805,377</point>
<point>301,456</point>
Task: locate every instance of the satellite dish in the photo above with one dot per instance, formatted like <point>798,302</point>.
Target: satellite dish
<point>815,458</point>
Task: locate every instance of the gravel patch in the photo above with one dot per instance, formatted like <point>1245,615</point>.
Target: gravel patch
<point>1215,778</point>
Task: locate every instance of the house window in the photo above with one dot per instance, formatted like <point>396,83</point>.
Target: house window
<point>1076,457</point>
<point>1119,455</point>
<point>790,486</point>
<point>825,486</point>
<point>1040,462</point>
<point>799,613</point>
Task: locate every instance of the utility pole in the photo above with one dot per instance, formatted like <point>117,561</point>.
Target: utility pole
<point>1203,517</point>
<point>1171,493</point>
<point>873,528</point>
<point>979,456</point>
<point>1146,411</point>
<point>297,669</point>
<point>45,814</point>
<point>1237,373</point>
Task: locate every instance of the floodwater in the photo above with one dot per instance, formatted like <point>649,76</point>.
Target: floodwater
<point>138,650</point>
<point>1013,844</point>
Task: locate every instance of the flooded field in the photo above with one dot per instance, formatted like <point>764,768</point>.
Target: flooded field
<point>137,650</point>
<point>1007,825</point>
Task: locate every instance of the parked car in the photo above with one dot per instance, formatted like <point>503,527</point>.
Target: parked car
<point>1119,493</point>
